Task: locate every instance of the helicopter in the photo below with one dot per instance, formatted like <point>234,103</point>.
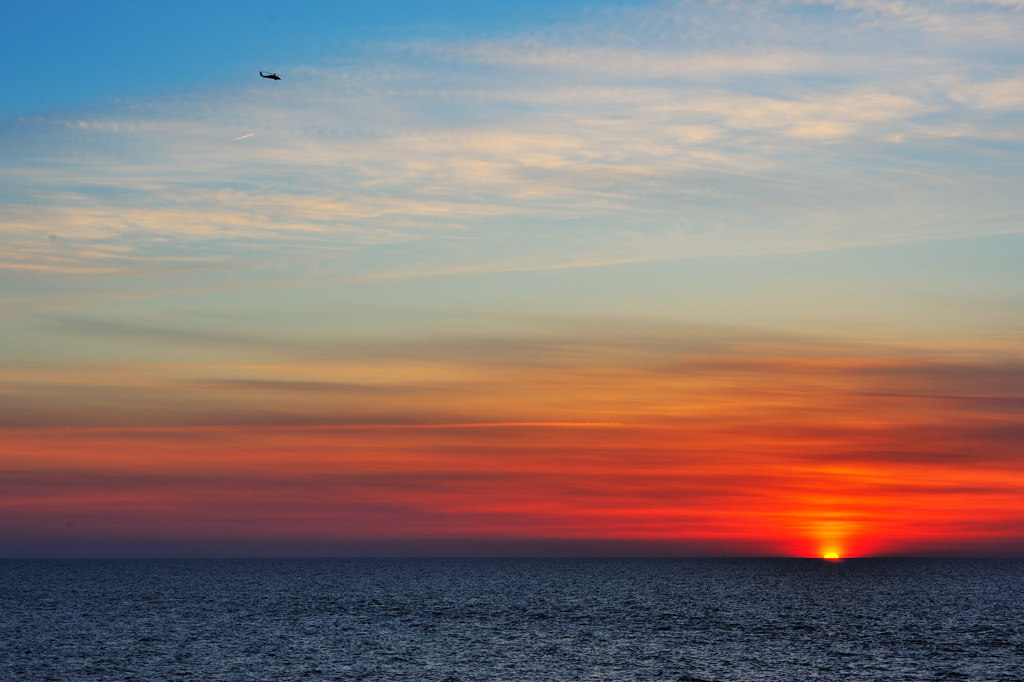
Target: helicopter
<point>271,76</point>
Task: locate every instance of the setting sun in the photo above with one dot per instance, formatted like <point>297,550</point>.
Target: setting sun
<point>831,556</point>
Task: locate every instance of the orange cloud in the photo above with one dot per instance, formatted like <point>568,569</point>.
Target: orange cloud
<point>790,452</point>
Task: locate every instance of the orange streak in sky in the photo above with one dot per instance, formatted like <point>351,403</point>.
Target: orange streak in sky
<point>773,456</point>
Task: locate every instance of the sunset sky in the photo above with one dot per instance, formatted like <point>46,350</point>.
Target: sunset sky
<point>512,278</point>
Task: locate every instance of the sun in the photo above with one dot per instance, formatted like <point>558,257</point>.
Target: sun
<point>831,556</point>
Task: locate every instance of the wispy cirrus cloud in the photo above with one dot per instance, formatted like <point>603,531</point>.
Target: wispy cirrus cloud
<point>676,129</point>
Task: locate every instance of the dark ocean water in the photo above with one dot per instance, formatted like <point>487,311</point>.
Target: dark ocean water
<point>589,619</point>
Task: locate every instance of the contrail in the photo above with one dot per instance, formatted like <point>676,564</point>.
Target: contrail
<point>242,137</point>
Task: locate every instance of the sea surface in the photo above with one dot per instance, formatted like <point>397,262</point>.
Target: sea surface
<point>740,620</point>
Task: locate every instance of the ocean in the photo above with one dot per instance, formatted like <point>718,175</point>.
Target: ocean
<point>447,620</point>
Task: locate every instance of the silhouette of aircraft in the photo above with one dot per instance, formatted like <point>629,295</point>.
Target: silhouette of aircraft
<point>271,76</point>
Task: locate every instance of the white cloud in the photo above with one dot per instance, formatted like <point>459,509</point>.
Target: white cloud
<point>677,129</point>
<point>1004,93</point>
<point>955,21</point>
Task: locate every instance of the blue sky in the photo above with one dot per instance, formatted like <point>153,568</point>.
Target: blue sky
<point>65,54</point>
<point>410,142</point>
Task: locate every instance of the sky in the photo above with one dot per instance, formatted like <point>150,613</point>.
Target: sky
<point>561,278</point>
